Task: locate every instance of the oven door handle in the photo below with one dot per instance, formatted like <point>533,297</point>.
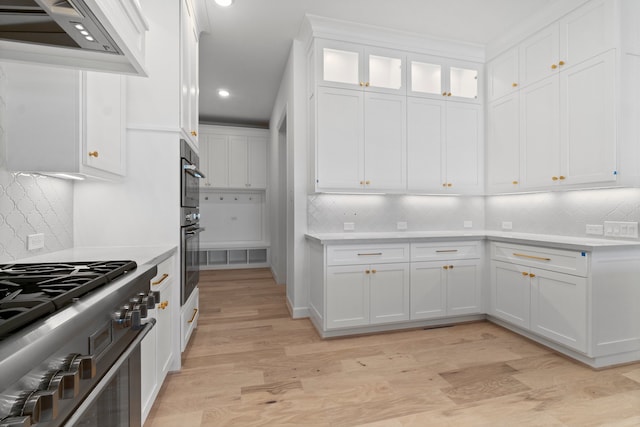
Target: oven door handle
<point>111,373</point>
<point>194,231</point>
<point>193,171</point>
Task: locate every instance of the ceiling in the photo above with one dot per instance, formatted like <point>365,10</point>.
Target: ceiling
<point>248,46</point>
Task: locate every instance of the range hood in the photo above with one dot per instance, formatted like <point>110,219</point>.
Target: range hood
<point>105,35</point>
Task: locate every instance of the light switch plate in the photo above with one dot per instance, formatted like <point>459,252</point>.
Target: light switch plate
<point>349,226</point>
<point>468,224</point>
<point>507,225</point>
<point>595,229</point>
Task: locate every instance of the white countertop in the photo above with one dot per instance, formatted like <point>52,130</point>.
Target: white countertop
<point>140,254</point>
<point>563,242</point>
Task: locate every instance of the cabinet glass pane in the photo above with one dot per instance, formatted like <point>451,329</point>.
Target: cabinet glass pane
<point>426,78</point>
<point>385,72</point>
<point>464,82</point>
<point>340,66</point>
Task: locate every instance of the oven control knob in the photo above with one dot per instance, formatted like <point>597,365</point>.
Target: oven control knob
<point>85,366</point>
<point>134,319</point>
<point>142,308</point>
<point>16,422</point>
<point>148,300</point>
<point>41,406</point>
<point>69,382</point>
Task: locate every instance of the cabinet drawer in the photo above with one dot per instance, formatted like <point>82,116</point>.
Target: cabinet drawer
<point>189,318</point>
<point>164,276</point>
<point>367,254</point>
<point>560,260</point>
<point>435,251</point>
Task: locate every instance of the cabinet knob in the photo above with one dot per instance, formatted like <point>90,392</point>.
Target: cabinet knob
<point>367,271</point>
<point>361,182</point>
<point>449,184</point>
<point>194,133</point>
<point>93,154</point>
<point>373,271</point>
<point>524,273</point>
<point>163,305</point>
<point>515,182</point>
<point>361,83</point>
<point>514,84</point>
<point>367,84</point>
<point>561,63</point>
<point>449,94</point>
<point>444,185</point>
<point>446,267</point>
<point>532,275</point>
<point>561,177</point>
<point>554,66</point>
<point>444,93</point>
<point>367,182</point>
<point>554,178</point>
<point>451,267</point>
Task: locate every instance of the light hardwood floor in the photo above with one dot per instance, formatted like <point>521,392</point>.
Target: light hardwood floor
<point>250,364</point>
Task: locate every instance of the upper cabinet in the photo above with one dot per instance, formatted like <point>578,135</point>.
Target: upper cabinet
<point>436,77</point>
<point>189,85</point>
<point>353,66</point>
<point>115,41</point>
<point>561,103</point>
<point>65,122</point>
<point>233,158</point>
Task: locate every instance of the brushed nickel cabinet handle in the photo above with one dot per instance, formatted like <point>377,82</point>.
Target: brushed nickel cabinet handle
<point>371,254</point>
<point>446,250</point>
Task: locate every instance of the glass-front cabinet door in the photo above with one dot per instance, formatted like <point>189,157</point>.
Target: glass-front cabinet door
<point>431,77</point>
<point>354,66</point>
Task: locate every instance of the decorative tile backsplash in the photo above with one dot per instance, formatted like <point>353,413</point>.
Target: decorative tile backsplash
<point>327,213</point>
<point>31,204</point>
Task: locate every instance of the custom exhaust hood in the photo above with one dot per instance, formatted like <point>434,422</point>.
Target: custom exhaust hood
<point>104,35</point>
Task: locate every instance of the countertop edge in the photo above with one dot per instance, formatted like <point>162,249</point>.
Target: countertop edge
<point>142,255</point>
<point>560,242</point>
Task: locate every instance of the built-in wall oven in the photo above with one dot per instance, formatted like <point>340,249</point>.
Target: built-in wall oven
<point>190,220</point>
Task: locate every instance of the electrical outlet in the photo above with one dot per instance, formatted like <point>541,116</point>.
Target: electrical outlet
<point>468,224</point>
<point>349,226</point>
<point>595,229</point>
<point>401,225</point>
<point>621,229</point>
<point>35,241</point>
<point>507,225</point>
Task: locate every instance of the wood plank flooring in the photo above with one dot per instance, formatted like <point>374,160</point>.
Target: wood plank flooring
<point>250,364</point>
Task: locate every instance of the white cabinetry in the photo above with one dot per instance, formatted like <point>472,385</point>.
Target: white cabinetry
<point>189,86</point>
<point>436,77</point>
<point>568,104</point>
<point>444,146</point>
<point>189,314</point>
<point>366,285</point>
<point>445,279</point>
<point>234,158</point>
<point>157,349</point>
<point>80,119</point>
<point>542,290</point>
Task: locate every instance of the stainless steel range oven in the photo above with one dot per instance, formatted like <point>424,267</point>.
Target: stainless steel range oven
<point>190,220</point>
<point>70,343</point>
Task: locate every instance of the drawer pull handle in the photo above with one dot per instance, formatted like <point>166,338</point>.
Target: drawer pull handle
<point>371,254</point>
<point>162,279</point>
<point>195,311</point>
<point>446,250</point>
<point>532,257</point>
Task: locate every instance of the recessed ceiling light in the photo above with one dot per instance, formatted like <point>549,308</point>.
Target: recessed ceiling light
<point>223,93</point>
<point>224,3</point>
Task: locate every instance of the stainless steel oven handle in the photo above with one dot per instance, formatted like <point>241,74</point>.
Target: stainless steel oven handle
<point>193,170</point>
<point>195,231</point>
<point>106,379</point>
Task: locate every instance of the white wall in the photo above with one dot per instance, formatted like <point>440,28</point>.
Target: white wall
<point>291,103</point>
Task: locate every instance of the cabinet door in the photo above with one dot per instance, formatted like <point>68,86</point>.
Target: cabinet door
<point>384,71</point>
<point>540,134</point>
<point>203,154</point>
<point>539,55</point>
<point>148,369</point>
<point>462,82</point>
<point>188,72</point>
<point>425,77</point>
<point>347,296</point>
<point>425,143</point>
<point>104,130</point>
<point>217,161</point>
<point>257,152</point>
<point>389,292</point>
<point>385,154</point>
<point>503,156</point>
<point>238,167</point>
<point>340,64</point>
<point>164,319</point>
<point>559,308</point>
<point>502,76</point>
<point>463,288</point>
<point>586,32</point>
<point>588,121</point>
<point>428,290</point>
<point>463,147</point>
<point>340,139</point>
<point>510,293</point>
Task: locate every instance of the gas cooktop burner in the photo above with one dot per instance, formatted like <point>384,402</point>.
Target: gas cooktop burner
<point>31,291</point>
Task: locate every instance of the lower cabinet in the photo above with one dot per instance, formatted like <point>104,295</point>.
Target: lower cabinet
<point>189,318</point>
<point>542,290</point>
<point>157,348</point>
